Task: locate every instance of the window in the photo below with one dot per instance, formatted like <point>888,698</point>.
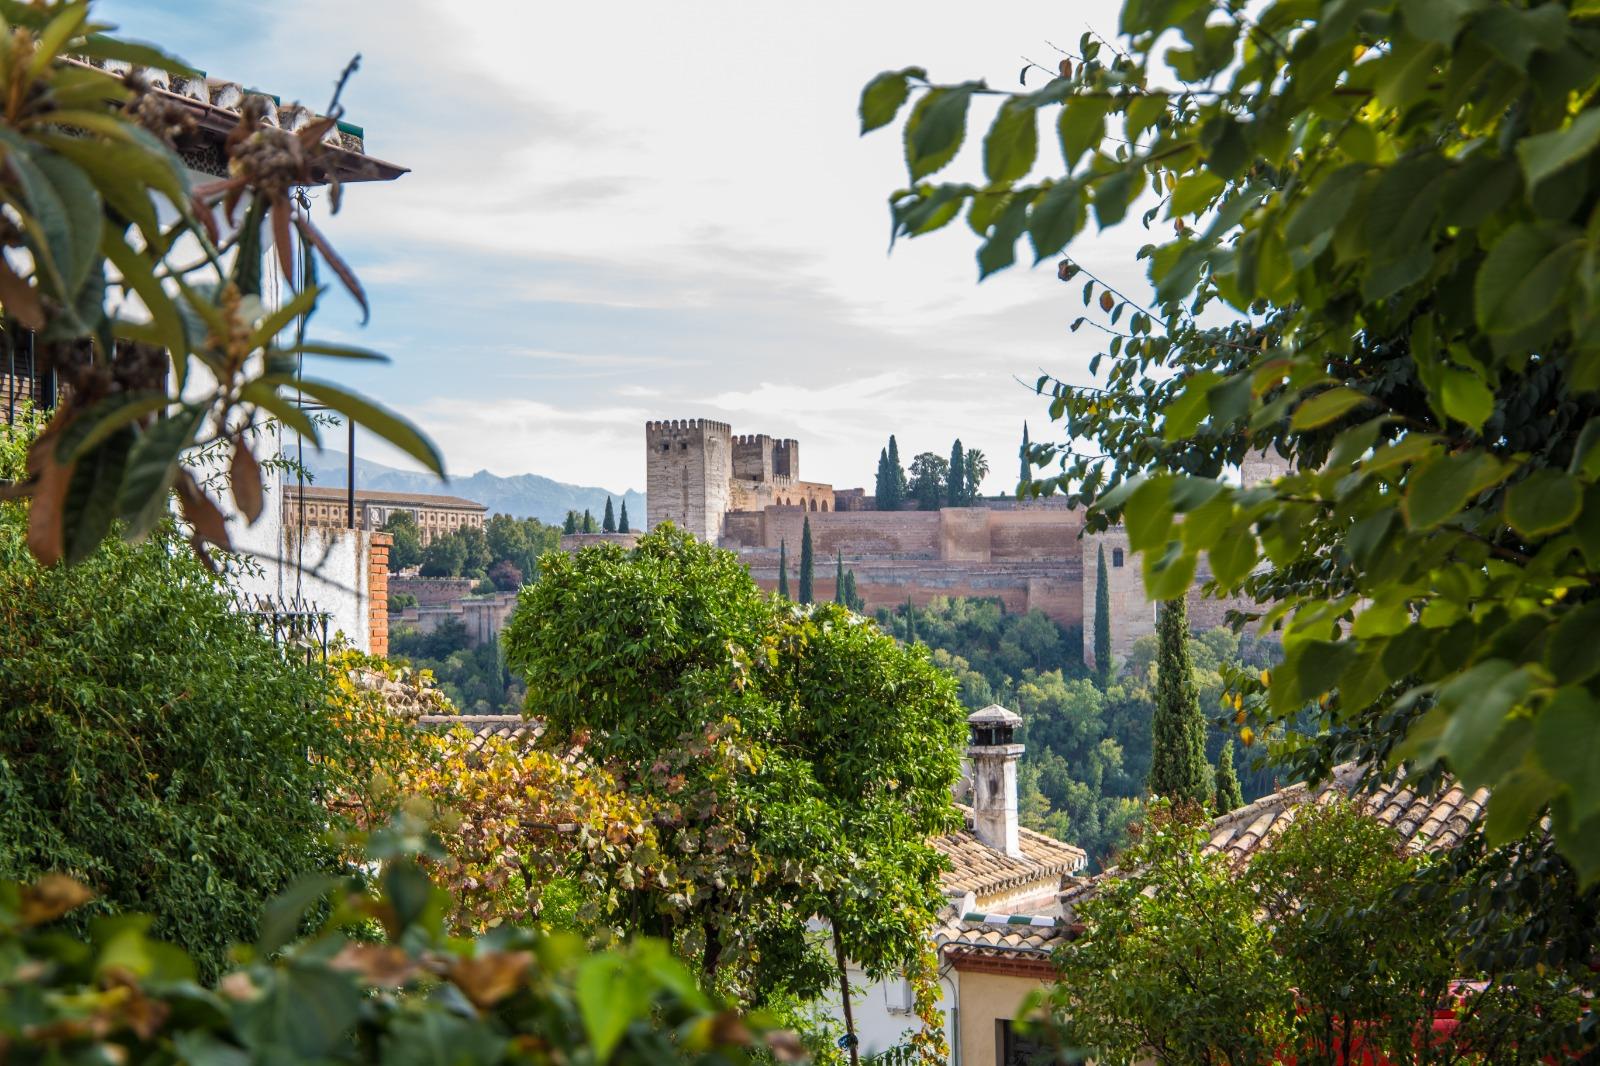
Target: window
<point>1116,557</point>
<point>897,994</point>
<point>1013,1049</point>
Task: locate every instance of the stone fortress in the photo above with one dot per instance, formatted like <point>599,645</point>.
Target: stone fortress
<point>745,493</point>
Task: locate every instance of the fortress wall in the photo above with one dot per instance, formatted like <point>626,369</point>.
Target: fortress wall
<point>964,534</point>
<point>688,465</point>
<point>1036,534</point>
<point>752,457</point>
<point>855,533</point>
<point>743,529</point>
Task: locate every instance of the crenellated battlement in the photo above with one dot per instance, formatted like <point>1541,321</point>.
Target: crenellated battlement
<point>679,425</point>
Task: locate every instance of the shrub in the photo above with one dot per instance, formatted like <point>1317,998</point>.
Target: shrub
<point>153,743</point>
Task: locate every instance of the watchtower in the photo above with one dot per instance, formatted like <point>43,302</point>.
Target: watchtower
<point>688,464</point>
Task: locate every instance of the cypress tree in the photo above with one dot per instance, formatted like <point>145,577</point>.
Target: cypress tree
<point>956,480</point>
<point>838,579</point>
<point>588,521</point>
<point>609,522</point>
<point>622,519</point>
<point>571,524</point>
<point>852,599</point>
<point>1102,620</point>
<point>911,623</point>
<point>805,563</point>
<point>1230,797</point>
<point>1027,467</point>
<point>897,477</point>
<point>881,489</point>
<point>783,568</point>
<point>1178,767</point>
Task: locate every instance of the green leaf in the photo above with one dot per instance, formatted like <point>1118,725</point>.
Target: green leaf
<point>1082,126</point>
<point>267,397</point>
<point>1439,491</point>
<point>935,130</point>
<point>1012,143</point>
<point>1543,503</point>
<point>883,96</point>
<point>337,351</point>
<point>388,425</point>
<point>1516,800</point>
<point>1054,218</point>
<point>1193,193</point>
<point>1478,702</point>
<point>105,417</point>
<point>610,998</point>
<point>1523,277</point>
<point>81,201</point>
<point>1543,154</point>
<point>1570,651</point>
<point>306,1012</point>
<point>1399,211</point>
<point>1464,397</point>
<point>1111,196</point>
<point>1437,20</point>
<point>1183,415</point>
<point>1233,557</point>
<point>91,501</point>
<point>1327,407</point>
<point>1326,205</point>
<point>1567,740</point>
<point>285,913</point>
<point>1148,515</point>
<point>1171,574</point>
<point>139,274</point>
<point>152,465</point>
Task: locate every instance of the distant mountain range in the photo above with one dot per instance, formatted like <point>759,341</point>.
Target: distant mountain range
<point>522,495</point>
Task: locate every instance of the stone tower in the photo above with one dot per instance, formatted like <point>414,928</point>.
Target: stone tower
<point>1263,466</point>
<point>688,464</point>
<point>993,756</point>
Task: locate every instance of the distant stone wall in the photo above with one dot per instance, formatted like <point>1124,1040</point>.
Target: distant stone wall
<point>431,590</point>
<point>1132,614</point>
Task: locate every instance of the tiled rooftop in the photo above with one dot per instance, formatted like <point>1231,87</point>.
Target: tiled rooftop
<point>957,935</point>
<point>981,869</point>
<point>217,103</point>
<point>1425,822</point>
<point>502,726</point>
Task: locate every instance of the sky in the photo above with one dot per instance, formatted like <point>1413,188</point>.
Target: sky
<point>630,211</point>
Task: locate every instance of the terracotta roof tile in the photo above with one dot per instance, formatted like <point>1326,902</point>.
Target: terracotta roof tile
<point>504,726</point>
<point>954,935</point>
<point>979,868</point>
<point>1426,822</point>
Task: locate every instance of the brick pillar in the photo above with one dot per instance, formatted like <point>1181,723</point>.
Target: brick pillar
<point>378,593</point>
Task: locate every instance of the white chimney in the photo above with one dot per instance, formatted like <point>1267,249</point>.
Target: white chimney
<point>994,777</point>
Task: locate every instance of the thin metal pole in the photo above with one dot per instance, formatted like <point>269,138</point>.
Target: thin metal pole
<point>350,473</point>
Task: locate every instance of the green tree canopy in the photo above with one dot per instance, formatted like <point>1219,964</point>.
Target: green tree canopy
<point>570,525</point>
<point>153,741</point>
<point>622,519</point>
<point>608,524</point>
<point>977,468</point>
<point>406,551</point>
<point>810,756</point>
<point>1377,267</point>
<point>1229,796</point>
<point>783,569</point>
<point>929,474</point>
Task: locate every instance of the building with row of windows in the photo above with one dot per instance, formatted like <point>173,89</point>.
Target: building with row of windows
<point>315,506</point>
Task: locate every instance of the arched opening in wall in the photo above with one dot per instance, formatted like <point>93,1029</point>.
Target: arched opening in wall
<point>1116,557</point>
<point>824,505</point>
<point>813,505</point>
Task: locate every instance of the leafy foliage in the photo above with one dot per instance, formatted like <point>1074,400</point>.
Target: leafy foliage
<point>473,676</point>
<point>1089,742</point>
<point>1228,796</point>
<point>411,994</point>
<point>406,551</point>
<point>90,156</point>
<point>1334,945</point>
<point>1392,201</point>
<point>153,742</point>
<point>808,564</point>
<point>799,757</point>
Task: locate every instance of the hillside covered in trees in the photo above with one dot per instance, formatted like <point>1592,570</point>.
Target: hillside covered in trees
<point>1088,741</point>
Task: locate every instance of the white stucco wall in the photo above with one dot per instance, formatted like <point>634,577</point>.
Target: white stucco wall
<point>882,1013</point>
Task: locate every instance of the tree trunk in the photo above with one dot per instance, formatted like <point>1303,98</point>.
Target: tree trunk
<point>844,998</point>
